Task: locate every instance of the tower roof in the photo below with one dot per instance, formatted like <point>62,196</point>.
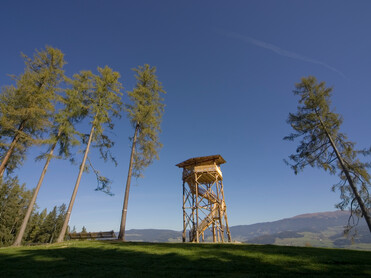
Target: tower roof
<point>218,159</point>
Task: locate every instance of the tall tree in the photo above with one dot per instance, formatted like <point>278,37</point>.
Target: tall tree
<point>103,103</point>
<point>145,114</point>
<point>62,133</point>
<point>25,108</point>
<point>322,145</point>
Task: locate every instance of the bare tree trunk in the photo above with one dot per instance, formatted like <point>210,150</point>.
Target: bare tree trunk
<point>73,197</point>
<point>361,204</point>
<point>11,149</point>
<point>20,235</point>
<point>127,190</point>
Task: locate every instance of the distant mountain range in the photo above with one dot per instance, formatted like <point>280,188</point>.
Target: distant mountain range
<point>323,229</point>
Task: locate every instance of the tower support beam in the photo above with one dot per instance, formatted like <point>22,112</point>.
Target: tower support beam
<point>203,200</point>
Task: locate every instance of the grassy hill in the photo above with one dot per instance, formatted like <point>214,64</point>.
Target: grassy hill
<point>115,259</point>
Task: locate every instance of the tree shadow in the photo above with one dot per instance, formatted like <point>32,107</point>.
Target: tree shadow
<point>105,259</point>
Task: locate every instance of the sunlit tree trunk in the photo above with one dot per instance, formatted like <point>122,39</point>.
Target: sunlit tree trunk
<point>127,190</point>
<point>20,235</point>
<point>82,166</point>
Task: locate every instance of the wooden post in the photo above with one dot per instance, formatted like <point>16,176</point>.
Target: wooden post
<point>197,239</point>
<point>214,236</point>
<point>184,214</point>
<point>225,215</point>
<point>191,238</point>
<point>220,211</point>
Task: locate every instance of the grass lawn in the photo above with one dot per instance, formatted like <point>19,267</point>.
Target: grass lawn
<point>115,259</point>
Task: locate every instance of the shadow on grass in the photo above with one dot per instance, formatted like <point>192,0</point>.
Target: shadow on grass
<point>115,259</point>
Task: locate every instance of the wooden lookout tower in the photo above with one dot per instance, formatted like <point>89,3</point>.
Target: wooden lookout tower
<point>203,199</point>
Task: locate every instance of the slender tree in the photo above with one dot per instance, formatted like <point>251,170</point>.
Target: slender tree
<point>103,102</point>
<point>63,133</point>
<point>322,145</point>
<point>25,108</point>
<point>145,114</point>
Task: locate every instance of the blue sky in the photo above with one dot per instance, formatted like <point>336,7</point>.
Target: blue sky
<point>229,68</point>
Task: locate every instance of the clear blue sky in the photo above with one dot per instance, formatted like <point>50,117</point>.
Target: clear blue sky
<point>229,68</point>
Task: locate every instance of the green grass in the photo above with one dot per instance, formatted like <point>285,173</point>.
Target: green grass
<point>311,239</point>
<point>115,259</point>
<point>321,240</point>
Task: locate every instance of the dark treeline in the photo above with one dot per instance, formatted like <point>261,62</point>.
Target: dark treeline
<point>42,109</point>
<point>43,227</point>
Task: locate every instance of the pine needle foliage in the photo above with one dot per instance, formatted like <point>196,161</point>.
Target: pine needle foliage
<point>322,145</point>
<point>63,133</point>
<point>145,113</point>
<point>27,106</point>
<point>102,103</point>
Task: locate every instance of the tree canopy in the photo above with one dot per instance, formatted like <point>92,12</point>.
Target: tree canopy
<point>322,145</point>
<point>102,103</point>
<point>63,133</point>
<point>145,112</point>
<point>27,107</point>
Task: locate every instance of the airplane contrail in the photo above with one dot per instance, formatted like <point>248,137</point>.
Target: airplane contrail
<point>281,51</point>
